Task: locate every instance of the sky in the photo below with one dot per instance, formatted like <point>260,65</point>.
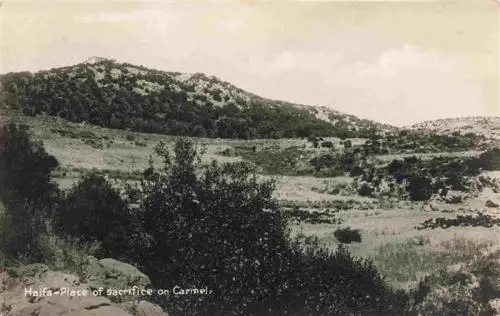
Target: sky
<point>396,62</point>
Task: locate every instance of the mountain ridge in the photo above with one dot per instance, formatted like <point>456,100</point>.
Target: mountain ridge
<point>121,95</point>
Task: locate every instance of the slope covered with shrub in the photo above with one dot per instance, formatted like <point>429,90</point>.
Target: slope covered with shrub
<point>215,226</point>
<point>125,96</point>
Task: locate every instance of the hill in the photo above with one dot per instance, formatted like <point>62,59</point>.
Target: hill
<point>489,127</point>
<point>124,96</point>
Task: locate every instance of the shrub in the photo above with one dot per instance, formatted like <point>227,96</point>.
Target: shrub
<point>489,160</point>
<point>365,190</point>
<point>327,144</point>
<point>347,235</point>
<point>220,227</point>
<point>66,254</point>
<point>22,226</point>
<point>26,190</point>
<point>420,188</point>
<point>94,211</point>
<point>25,166</point>
<point>130,138</point>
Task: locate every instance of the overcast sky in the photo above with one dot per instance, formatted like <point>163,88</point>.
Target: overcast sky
<point>398,62</point>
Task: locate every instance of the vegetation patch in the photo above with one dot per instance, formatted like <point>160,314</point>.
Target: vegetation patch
<point>347,235</point>
<point>480,219</point>
<point>313,217</point>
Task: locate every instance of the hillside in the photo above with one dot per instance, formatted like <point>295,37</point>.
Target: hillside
<point>120,95</point>
<point>489,127</point>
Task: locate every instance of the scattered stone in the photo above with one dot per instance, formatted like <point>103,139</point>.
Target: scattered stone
<point>36,290</point>
<point>454,198</point>
<point>491,203</point>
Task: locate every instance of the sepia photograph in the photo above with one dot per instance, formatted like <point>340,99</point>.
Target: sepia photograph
<point>250,158</point>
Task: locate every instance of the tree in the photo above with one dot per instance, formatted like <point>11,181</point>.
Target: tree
<point>94,211</point>
<point>25,167</point>
<point>26,190</point>
<point>219,226</point>
<point>419,187</point>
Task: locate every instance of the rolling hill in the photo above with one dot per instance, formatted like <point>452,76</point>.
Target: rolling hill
<point>124,96</point>
<point>489,127</point>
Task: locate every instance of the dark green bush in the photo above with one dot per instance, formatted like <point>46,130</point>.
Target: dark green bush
<point>25,166</point>
<point>347,235</point>
<point>420,187</point>
<point>130,138</point>
<point>93,211</point>
<point>26,190</point>
<point>365,190</point>
<point>223,229</point>
<point>327,144</point>
<point>489,160</point>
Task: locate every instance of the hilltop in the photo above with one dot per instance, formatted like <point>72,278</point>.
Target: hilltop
<point>489,127</point>
<point>125,96</point>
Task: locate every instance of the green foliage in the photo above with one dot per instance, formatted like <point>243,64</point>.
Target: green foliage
<point>25,166</point>
<point>420,188</point>
<point>347,235</point>
<point>26,190</point>
<point>24,222</point>
<point>207,225</point>
<point>93,211</point>
<point>66,254</point>
<point>479,220</point>
<point>78,94</point>
<point>365,190</point>
<point>466,291</point>
<point>327,144</point>
<point>222,228</point>
<point>489,160</point>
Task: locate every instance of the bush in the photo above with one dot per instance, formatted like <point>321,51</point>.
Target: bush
<point>215,226</point>
<point>66,254</point>
<point>94,211</point>
<point>25,166</point>
<point>327,144</point>
<point>21,228</point>
<point>347,235</point>
<point>220,227</point>
<point>420,188</point>
<point>489,160</point>
<point>26,190</point>
<point>365,190</point>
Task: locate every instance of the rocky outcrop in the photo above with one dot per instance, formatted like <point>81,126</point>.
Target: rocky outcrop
<point>454,197</point>
<point>491,203</point>
<point>36,290</point>
<point>114,274</point>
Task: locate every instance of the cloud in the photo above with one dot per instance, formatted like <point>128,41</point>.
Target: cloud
<point>406,85</point>
<point>399,85</point>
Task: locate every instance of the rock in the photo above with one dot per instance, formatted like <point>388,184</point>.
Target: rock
<point>491,203</point>
<point>116,275</point>
<point>144,308</point>
<point>36,290</point>
<point>454,197</point>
